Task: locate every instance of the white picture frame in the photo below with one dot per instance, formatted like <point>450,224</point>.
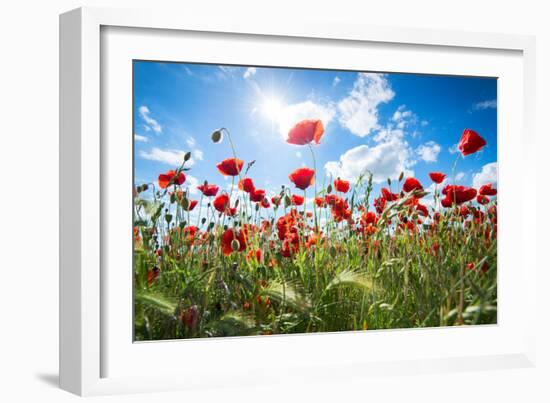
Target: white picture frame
<point>91,357</point>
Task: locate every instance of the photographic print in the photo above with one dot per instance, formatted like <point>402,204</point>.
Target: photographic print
<point>277,200</point>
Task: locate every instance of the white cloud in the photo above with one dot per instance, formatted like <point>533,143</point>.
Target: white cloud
<point>488,104</point>
<point>359,110</point>
<point>249,72</point>
<point>192,183</point>
<point>336,81</point>
<point>139,137</point>
<point>388,133</point>
<point>170,157</point>
<point>289,115</point>
<point>424,123</point>
<point>488,174</point>
<point>429,151</point>
<point>401,114</point>
<point>459,176</point>
<point>197,154</point>
<point>191,142</point>
<point>385,160</point>
<point>403,117</point>
<point>150,123</point>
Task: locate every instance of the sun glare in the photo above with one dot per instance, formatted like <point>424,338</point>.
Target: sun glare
<point>272,108</point>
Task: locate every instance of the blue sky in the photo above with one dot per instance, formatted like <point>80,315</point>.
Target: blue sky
<point>386,123</point>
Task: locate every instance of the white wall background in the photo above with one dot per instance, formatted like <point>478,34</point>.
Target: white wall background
<point>29,197</point>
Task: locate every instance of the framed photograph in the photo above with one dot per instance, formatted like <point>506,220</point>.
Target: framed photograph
<point>243,198</point>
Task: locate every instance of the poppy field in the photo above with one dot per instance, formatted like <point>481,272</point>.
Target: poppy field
<point>226,258</point>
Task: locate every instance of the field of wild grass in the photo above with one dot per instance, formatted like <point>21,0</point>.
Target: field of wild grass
<point>242,264</point>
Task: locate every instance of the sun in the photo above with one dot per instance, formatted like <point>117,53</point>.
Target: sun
<point>272,108</point>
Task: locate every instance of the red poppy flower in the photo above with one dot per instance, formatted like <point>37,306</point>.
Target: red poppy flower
<point>389,196</point>
<point>411,184</point>
<point>287,249</point>
<point>152,275</point>
<point>368,218</point>
<point>341,185</point>
<point>190,317</point>
<point>265,203</point>
<point>221,203</point>
<point>422,210</point>
<point>470,142</point>
<point>482,199</point>
<point>331,199</point>
<point>302,178</point>
<point>231,211</point>
<point>227,239</point>
<point>191,205</point>
<point>457,194</point>
<point>165,179</point>
<point>446,202</point>
<point>257,254</point>
<point>230,166</point>
<point>257,195</point>
<point>380,204</point>
<point>276,200</point>
<point>437,177</point>
<point>208,190</point>
<point>487,190</point>
<point>305,132</point>
<point>246,185</point>
<point>320,202</point>
<point>464,211</point>
<point>190,230</point>
<point>297,200</point>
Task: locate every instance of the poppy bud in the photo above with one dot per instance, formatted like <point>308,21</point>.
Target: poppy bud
<point>401,175</point>
<point>203,220</point>
<point>144,187</point>
<point>217,136</point>
<point>287,201</point>
<point>235,245</point>
<point>187,156</point>
<point>257,206</point>
<point>389,182</point>
<point>185,203</point>
<point>168,218</point>
<point>172,198</point>
<point>138,189</point>
<point>329,188</point>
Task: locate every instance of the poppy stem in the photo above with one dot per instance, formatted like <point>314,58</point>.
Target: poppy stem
<point>314,187</point>
<point>241,213</point>
<point>200,208</point>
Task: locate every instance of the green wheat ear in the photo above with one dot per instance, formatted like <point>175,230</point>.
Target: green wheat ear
<point>156,301</point>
